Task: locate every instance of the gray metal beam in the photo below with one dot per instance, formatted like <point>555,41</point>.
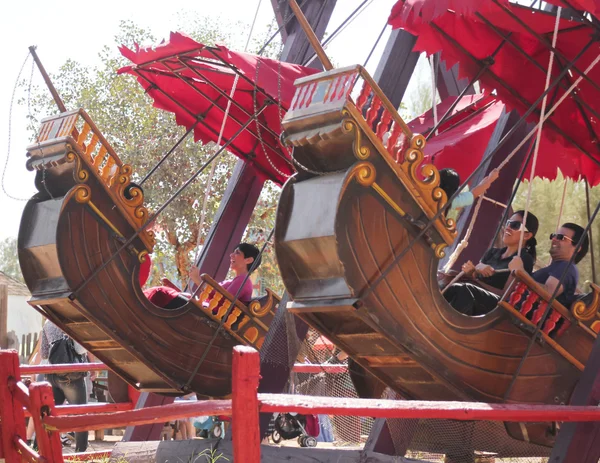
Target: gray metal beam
<point>396,65</point>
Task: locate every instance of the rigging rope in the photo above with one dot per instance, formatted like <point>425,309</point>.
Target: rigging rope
<point>432,62</point>
<point>465,241</point>
<point>349,20</point>
<point>213,166</point>
<point>539,130</point>
<point>10,111</point>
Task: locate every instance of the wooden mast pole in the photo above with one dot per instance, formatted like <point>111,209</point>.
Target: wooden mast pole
<point>310,34</point>
<point>57,99</point>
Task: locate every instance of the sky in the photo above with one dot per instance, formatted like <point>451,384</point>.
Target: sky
<point>66,29</point>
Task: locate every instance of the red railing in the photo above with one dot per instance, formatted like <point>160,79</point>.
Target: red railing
<point>244,407</point>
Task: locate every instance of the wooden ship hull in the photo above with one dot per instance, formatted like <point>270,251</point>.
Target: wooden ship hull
<point>341,224</point>
<point>70,233</point>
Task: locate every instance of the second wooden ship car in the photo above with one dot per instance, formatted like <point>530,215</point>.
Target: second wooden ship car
<point>362,197</point>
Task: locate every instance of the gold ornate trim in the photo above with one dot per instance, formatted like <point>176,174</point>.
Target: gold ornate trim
<point>584,312</point>
<point>361,152</point>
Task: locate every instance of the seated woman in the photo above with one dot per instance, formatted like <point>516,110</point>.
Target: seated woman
<point>491,273</point>
<point>241,262</point>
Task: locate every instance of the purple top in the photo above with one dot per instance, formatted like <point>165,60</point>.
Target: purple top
<point>234,285</point>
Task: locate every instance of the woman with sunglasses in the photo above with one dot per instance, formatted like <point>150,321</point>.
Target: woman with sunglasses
<point>491,274</point>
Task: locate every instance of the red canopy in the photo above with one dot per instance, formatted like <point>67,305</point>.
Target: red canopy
<point>469,34</point>
<point>463,138</point>
<point>194,82</point>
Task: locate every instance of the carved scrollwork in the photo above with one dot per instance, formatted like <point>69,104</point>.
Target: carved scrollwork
<point>425,177</point>
<point>586,308</point>
<point>259,310</point>
<point>438,249</point>
<point>361,151</point>
<point>363,172</point>
<point>82,194</point>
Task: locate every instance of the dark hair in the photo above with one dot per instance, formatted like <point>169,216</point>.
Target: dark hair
<point>249,250</point>
<point>532,224</point>
<point>449,181</point>
<point>577,235</point>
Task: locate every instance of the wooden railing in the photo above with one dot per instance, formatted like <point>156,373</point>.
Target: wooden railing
<point>244,407</point>
<point>248,324</point>
<point>327,90</point>
<point>528,301</point>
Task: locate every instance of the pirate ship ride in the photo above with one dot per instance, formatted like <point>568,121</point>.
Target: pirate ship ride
<point>360,230</point>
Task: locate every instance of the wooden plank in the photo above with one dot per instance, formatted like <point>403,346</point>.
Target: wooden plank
<point>245,427</point>
<point>149,415</point>
<point>3,316</point>
<point>150,431</point>
<point>421,409</point>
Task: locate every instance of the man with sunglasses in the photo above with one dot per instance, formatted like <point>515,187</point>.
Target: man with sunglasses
<point>562,249</point>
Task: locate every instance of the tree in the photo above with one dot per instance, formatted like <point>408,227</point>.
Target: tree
<point>9,263</point>
<point>141,134</point>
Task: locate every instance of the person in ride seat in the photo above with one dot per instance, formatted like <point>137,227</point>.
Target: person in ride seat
<point>490,276</point>
<point>241,262</point>
<point>562,248</point>
<point>450,182</point>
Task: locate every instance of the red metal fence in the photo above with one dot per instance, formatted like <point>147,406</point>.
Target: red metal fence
<point>244,407</point>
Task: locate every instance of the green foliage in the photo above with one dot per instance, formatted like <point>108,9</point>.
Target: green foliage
<point>545,203</point>
<point>142,134</point>
<point>9,262</point>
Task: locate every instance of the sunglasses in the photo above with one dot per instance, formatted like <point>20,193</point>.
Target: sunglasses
<point>560,237</point>
<point>515,225</point>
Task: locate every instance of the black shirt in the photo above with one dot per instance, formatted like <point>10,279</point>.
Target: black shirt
<point>493,257</point>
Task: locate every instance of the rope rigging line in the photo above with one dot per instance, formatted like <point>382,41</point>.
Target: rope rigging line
<point>587,204</point>
<point>434,70</point>
<point>165,204</point>
<point>10,114</point>
<point>539,131</point>
<point>553,297</point>
<point>349,20</point>
<point>284,23</point>
<point>443,209</point>
<point>465,241</point>
<point>488,62</point>
<point>213,166</point>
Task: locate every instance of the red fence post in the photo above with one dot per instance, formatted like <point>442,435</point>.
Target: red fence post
<point>11,410</point>
<point>244,424</point>
<point>42,404</point>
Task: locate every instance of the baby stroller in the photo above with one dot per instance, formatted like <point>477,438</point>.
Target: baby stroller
<point>293,425</point>
<point>209,426</point>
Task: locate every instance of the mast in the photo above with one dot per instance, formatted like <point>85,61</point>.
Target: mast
<point>57,99</point>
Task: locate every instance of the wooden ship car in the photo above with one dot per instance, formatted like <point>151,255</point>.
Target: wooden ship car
<point>82,277</point>
<point>360,200</point>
